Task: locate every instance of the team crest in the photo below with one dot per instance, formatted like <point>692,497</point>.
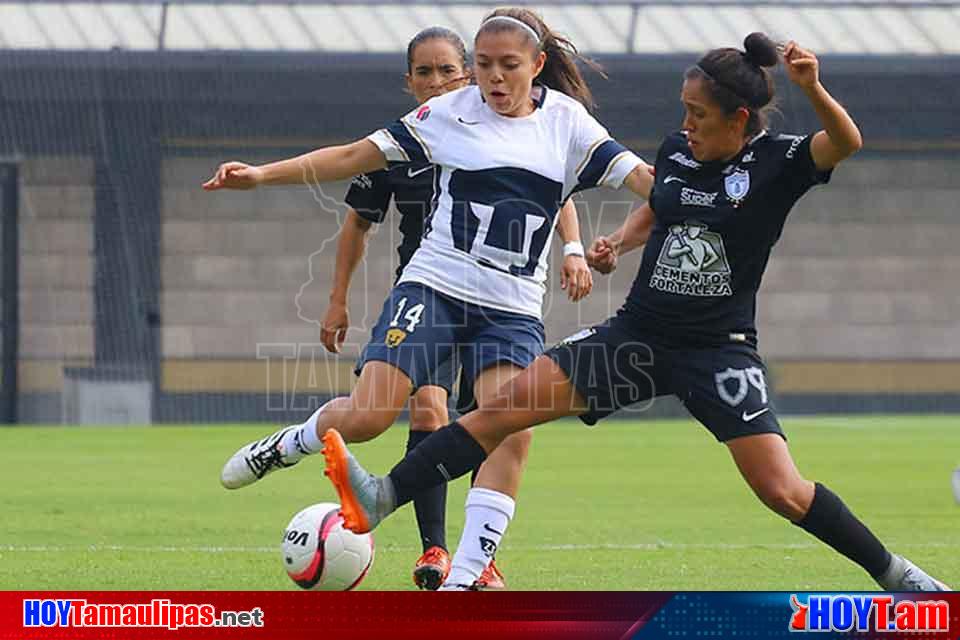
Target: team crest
<point>736,185</point>
<point>395,337</point>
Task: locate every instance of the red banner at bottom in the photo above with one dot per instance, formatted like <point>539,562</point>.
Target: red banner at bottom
<point>465,616</point>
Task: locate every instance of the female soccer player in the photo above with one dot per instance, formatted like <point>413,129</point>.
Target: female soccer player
<point>436,64</point>
<point>508,153</point>
<point>723,190</point>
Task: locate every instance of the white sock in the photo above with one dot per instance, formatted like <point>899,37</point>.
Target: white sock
<point>302,440</point>
<point>488,515</point>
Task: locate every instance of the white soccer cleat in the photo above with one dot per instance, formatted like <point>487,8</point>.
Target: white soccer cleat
<point>903,575</point>
<point>255,460</point>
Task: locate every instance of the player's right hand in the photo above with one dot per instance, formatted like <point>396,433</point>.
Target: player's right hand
<point>602,256</point>
<point>234,175</point>
<point>333,331</point>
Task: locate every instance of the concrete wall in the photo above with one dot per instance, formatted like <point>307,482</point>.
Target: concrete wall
<point>864,277</point>
<point>866,267</point>
<point>56,243</point>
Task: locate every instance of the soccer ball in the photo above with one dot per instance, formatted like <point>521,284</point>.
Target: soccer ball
<point>320,555</point>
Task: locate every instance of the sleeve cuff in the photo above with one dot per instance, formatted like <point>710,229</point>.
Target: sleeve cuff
<point>619,168</point>
<point>389,146</point>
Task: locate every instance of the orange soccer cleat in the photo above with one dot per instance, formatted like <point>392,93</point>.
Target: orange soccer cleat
<point>491,578</point>
<point>365,499</point>
<point>432,568</point>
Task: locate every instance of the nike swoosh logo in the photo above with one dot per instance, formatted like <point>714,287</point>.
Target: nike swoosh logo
<point>670,179</point>
<point>470,124</point>
<point>747,417</point>
<point>413,174</point>
<point>491,529</point>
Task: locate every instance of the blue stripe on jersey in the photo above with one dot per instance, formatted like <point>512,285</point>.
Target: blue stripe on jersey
<point>599,163</point>
<point>410,145</point>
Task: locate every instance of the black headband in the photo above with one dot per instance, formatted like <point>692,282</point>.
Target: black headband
<point>725,85</point>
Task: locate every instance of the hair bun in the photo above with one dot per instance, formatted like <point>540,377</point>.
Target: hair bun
<point>760,50</point>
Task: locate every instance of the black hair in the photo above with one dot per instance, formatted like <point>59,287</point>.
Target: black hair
<point>741,79</point>
<point>436,33</point>
<point>560,71</point>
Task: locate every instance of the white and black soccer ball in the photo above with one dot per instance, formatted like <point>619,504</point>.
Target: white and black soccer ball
<point>320,555</point>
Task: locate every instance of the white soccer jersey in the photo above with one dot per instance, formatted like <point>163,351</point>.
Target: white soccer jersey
<point>500,184</point>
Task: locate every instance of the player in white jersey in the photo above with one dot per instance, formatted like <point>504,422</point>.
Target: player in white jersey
<point>436,64</point>
<point>509,153</point>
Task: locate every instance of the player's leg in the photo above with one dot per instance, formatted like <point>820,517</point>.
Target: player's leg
<point>541,393</point>
<point>375,402</point>
<point>400,356</point>
<point>766,465</point>
<point>725,389</point>
<point>491,501</point>
<point>428,412</point>
<point>591,375</point>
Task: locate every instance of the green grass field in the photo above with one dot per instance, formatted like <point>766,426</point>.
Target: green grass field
<point>626,505</point>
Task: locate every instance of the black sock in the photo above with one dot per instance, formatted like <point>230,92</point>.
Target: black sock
<point>430,505</point>
<point>830,520</point>
<point>444,455</point>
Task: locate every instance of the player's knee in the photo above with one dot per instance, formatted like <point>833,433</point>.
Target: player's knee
<point>520,441</point>
<point>428,418</point>
<point>782,497</point>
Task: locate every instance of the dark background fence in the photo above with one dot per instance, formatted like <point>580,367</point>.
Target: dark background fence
<point>142,298</point>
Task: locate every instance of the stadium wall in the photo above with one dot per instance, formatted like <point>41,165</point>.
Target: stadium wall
<point>215,299</point>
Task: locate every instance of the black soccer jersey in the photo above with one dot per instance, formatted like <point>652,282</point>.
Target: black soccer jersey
<point>410,186</point>
<point>716,223</point>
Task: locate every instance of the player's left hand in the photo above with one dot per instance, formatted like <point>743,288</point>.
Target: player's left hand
<point>602,255</point>
<point>575,278</point>
<point>802,66</point>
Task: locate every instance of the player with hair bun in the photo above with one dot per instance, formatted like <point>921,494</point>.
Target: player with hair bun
<point>508,153</point>
<point>723,189</point>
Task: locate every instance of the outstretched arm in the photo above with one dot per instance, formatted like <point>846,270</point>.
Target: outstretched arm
<point>350,249</point>
<point>633,233</point>
<point>575,276</point>
<point>840,137</point>
<point>322,165</point>
<point>640,180</point>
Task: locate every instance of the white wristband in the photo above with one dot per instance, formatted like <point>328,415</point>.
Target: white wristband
<point>573,249</point>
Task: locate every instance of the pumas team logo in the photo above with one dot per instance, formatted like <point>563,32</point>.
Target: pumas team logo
<point>692,262</point>
<point>737,185</point>
<point>395,337</point>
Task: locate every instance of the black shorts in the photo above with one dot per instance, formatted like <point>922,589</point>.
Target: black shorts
<point>614,366</point>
